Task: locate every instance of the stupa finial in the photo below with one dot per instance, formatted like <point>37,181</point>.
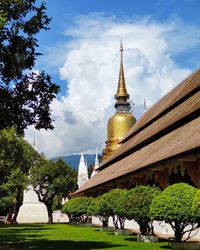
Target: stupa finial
<point>121,90</point>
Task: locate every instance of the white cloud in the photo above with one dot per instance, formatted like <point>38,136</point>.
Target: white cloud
<point>90,66</point>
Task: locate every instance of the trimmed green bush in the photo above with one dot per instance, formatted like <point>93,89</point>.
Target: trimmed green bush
<point>76,208</point>
<point>138,205</point>
<point>174,206</point>
<point>117,202</point>
<point>100,207</point>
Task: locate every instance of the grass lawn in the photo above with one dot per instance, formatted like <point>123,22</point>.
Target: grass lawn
<point>63,236</point>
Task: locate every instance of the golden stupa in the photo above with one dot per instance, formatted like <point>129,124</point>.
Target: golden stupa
<point>120,123</point>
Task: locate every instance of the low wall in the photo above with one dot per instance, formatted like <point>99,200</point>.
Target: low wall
<point>160,228</point>
<point>59,217</point>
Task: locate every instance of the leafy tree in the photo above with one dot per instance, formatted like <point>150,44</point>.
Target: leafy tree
<point>69,209</point>
<point>51,178</point>
<point>100,207</point>
<point>16,159</point>
<point>57,202</point>
<point>138,205</point>
<point>6,204</point>
<point>76,208</point>
<point>25,96</point>
<point>174,206</point>
<point>117,199</point>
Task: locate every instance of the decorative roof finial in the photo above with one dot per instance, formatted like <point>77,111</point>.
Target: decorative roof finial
<point>121,90</point>
<point>35,141</point>
<point>96,165</point>
<point>121,46</point>
<point>145,105</point>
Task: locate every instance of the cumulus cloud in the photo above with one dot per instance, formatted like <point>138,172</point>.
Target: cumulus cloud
<point>89,63</point>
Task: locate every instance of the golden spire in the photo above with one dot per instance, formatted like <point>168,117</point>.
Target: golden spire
<point>121,90</point>
<point>123,119</point>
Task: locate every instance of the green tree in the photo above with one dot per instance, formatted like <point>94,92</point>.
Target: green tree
<point>51,178</point>
<point>6,204</point>
<point>16,159</point>
<point>25,96</point>
<point>100,207</point>
<point>57,202</point>
<point>174,206</point>
<point>69,209</point>
<point>117,199</point>
<point>77,208</point>
<point>138,205</point>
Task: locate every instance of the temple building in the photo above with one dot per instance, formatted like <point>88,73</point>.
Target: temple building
<point>162,148</point>
<point>122,121</point>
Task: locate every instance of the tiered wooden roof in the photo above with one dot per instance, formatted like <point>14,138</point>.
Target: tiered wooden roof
<point>170,128</point>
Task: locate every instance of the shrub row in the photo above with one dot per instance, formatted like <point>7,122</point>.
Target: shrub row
<point>178,205</point>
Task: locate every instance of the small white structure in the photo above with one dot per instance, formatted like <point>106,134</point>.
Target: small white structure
<point>96,165</point>
<point>82,172</point>
<point>32,211</point>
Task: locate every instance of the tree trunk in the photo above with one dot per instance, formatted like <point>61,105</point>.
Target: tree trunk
<point>50,216</point>
<point>17,206</point>
<point>178,232</point>
<point>104,220</point>
<point>85,218</point>
<point>121,222</point>
<point>70,216</point>
<point>144,226</point>
<point>115,222</point>
<point>105,223</point>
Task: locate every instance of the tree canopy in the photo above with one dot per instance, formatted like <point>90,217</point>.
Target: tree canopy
<point>25,96</point>
<point>100,207</point>
<point>138,206</point>
<point>117,200</point>
<point>174,206</point>
<point>51,178</point>
<point>76,208</point>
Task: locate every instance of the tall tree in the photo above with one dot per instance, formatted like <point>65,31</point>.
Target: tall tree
<point>50,179</point>
<point>16,159</point>
<point>25,96</point>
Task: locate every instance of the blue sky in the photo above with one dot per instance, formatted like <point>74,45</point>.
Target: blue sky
<point>64,13</point>
<point>81,51</point>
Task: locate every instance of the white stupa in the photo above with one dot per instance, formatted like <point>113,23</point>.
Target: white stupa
<point>32,210</point>
<point>82,172</point>
<point>96,165</point>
